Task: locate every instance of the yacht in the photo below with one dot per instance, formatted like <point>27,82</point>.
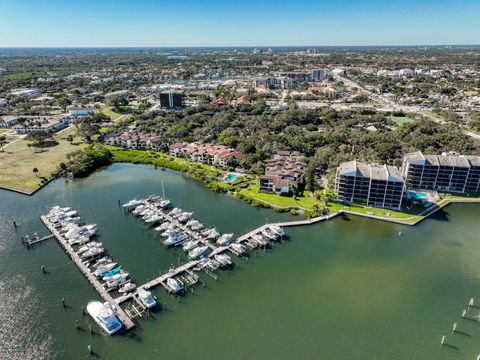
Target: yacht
<point>277,230</point>
<point>259,240</point>
<point>174,285</point>
<point>152,220</point>
<point>117,279</point>
<point>175,211</point>
<point>110,274</point>
<point>104,316</point>
<point>103,261</point>
<point>131,204</point>
<point>197,252</point>
<point>213,234</point>
<point>146,297</point>
<point>164,204</point>
<point>93,252</point>
<point>185,217</point>
<point>101,270</point>
<point>176,237</point>
<point>79,240</point>
<point>238,248</point>
<point>163,227</point>
<point>224,239</point>
<point>88,246</point>
<point>138,210</point>
<point>223,260</point>
<point>190,245</point>
<point>269,235</point>
<point>197,227</point>
<point>128,287</point>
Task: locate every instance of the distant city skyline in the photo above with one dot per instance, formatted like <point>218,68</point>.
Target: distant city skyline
<point>262,23</point>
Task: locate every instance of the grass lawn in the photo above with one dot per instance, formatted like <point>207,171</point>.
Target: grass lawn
<point>17,162</point>
<point>305,202</point>
<point>108,110</point>
<point>4,131</point>
<point>401,120</point>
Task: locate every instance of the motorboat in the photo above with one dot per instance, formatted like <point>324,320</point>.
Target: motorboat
<point>164,204</point>
<point>154,219</point>
<point>146,297</point>
<point>117,279</point>
<point>197,227</point>
<point>171,228</point>
<point>163,227</point>
<point>175,211</point>
<point>190,245</point>
<point>259,240</point>
<point>79,240</point>
<point>192,222</point>
<point>277,230</point>
<point>176,237</point>
<point>197,252</point>
<point>101,270</point>
<point>104,316</point>
<point>107,275</point>
<point>174,286</point>
<point>238,248</point>
<point>184,217</point>
<point>269,235</point>
<point>93,252</point>
<point>128,287</point>
<point>148,214</point>
<point>131,204</point>
<point>138,210</point>
<point>102,261</point>
<point>213,234</point>
<point>88,246</point>
<point>224,239</point>
<point>223,259</point>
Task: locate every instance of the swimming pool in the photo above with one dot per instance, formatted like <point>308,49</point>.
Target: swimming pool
<point>417,195</point>
<point>230,177</point>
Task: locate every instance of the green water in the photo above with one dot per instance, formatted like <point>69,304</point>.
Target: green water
<point>349,288</point>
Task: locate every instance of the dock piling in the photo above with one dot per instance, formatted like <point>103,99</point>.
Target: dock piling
<point>454,327</point>
<point>43,269</point>
<point>63,302</point>
<point>442,342</point>
<point>471,303</point>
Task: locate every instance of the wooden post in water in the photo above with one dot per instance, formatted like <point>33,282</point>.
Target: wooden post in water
<point>464,314</point>
<point>63,302</point>
<point>43,269</point>
<point>454,327</point>
<point>471,303</point>
<point>442,342</point>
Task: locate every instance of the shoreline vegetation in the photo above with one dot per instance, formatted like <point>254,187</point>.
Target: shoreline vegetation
<point>311,205</point>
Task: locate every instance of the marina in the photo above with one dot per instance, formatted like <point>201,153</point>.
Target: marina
<point>63,224</point>
<point>350,277</point>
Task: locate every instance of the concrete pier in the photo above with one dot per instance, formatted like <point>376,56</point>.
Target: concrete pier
<point>121,314</point>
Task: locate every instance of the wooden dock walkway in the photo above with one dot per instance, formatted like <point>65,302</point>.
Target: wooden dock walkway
<point>121,314</point>
<point>174,272</point>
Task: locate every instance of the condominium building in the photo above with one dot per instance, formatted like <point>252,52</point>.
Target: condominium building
<point>285,170</point>
<point>370,184</point>
<point>136,141</point>
<point>448,172</point>
<point>171,100</point>
<point>210,154</point>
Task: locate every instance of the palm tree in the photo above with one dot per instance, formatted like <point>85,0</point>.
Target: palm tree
<point>35,171</point>
<point>3,141</point>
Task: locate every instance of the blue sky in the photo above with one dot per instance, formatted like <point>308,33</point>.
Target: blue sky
<point>97,23</point>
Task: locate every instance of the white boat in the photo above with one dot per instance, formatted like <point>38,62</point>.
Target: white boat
<point>79,240</point>
<point>138,210</point>
<point>190,245</point>
<point>148,214</point>
<point>277,230</point>
<point>128,287</point>
<point>260,240</point>
<point>93,252</point>
<point>176,237</point>
<point>131,204</point>
<point>117,279</point>
<point>153,219</point>
<point>175,211</point>
<point>213,234</point>
<point>174,285</point>
<point>146,297</point>
<point>223,260</point>
<point>238,248</point>
<point>103,261</point>
<point>164,204</point>
<point>104,268</point>
<point>269,235</point>
<point>197,227</point>
<point>163,227</point>
<point>185,217</point>
<point>197,252</point>
<point>89,246</point>
<point>224,239</point>
<point>104,316</point>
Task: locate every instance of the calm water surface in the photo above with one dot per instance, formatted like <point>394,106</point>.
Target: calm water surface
<point>349,288</point>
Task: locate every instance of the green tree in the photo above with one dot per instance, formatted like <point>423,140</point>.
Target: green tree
<point>35,171</point>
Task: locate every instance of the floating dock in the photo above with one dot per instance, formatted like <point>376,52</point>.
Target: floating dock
<point>121,314</point>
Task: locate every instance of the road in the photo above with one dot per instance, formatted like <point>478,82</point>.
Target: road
<point>390,105</point>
